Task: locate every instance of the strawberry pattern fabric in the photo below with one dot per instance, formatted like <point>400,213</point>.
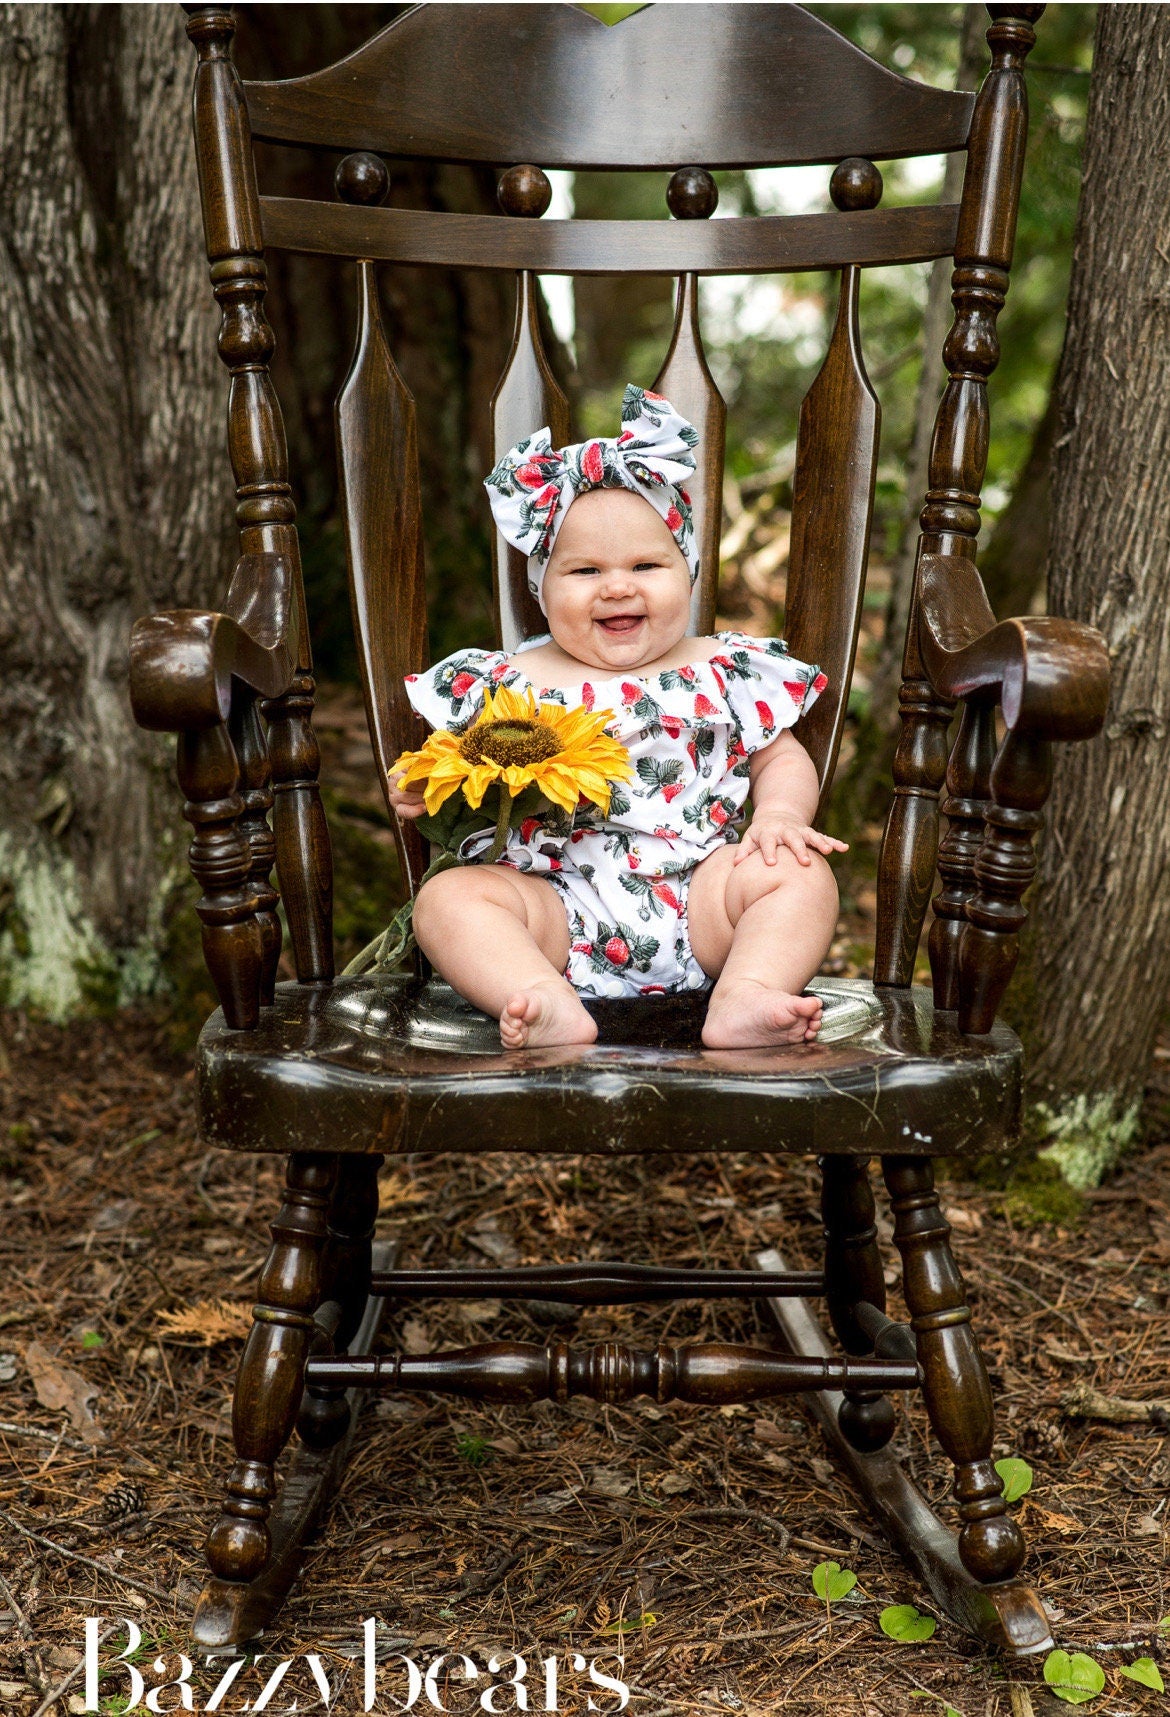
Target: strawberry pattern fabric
<point>690,732</point>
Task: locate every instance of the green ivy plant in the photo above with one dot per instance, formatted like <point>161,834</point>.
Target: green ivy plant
<point>902,1622</point>
<point>830,1581</point>
<point>1076,1679</point>
<point>1016,1477</point>
<point>1145,1672</point>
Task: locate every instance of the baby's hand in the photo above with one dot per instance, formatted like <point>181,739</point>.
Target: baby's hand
<point>406,802</point>
<point>769,831</point>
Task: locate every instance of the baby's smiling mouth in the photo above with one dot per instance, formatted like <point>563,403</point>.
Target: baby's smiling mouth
<point>619,625</point>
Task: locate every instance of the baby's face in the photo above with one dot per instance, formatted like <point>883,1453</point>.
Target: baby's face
<point>617,590</point>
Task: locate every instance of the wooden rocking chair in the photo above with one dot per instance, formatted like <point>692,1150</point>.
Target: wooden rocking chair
<point>336,1073</point>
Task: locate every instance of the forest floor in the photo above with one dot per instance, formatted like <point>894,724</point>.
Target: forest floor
<point>684,1537</point>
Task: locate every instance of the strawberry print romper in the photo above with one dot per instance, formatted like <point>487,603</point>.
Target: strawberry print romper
<point>624,878</point>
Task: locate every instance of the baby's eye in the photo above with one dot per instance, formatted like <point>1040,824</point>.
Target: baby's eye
<point>647,566</point>
<point>576,569</point>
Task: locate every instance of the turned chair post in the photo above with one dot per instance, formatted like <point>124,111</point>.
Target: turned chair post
<point>950,517</point>
<point>955,1383</point>
<point>265,512</point>
<point>269,1380</point>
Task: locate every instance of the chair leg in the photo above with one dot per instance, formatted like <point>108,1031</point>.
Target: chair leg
<point>345,1286</point>
<point>956,1386</point>
<point>269,1381</point>
<point>853,1272</point>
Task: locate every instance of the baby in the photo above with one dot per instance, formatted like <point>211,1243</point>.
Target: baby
<point>659,895</point>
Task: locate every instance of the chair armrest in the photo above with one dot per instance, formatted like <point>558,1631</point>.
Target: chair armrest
<point>182,662</point>
<point>1050,676</point>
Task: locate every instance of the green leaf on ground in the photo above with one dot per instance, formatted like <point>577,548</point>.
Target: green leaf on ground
<point>906,1624</point>
<point>1145,1672</point>
<point>1016,1476</point>
<point>1075,1679</point>
<point>830,1581</point>
<point>1164,1625</point>
<point>948,1710</point>
<point>631,1624</point>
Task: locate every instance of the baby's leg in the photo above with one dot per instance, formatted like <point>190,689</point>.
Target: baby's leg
<point>763,930</point>
<point>501,938</point>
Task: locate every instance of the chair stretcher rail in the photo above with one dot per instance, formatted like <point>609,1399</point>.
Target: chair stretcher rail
<point>595,1284</point>
<point>711,1372</point>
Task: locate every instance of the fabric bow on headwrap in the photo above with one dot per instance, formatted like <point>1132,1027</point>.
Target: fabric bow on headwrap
<point>534,484</point>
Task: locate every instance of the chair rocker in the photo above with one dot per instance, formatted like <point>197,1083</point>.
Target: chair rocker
<point>339,1072</point>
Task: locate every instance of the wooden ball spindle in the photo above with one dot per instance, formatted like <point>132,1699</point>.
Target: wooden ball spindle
<point>524,191</point>
<point>856,184</point>
<point>362,178</point>
<point>692,194</point>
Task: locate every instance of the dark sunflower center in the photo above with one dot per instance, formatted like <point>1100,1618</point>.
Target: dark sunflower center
<point>508,743</point>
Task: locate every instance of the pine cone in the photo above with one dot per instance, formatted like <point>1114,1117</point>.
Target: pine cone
<point>124,1500</point>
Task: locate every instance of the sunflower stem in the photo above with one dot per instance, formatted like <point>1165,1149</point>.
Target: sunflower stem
<point>503,823</point>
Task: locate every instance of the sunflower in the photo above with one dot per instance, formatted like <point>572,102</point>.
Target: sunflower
<point>516,742</point>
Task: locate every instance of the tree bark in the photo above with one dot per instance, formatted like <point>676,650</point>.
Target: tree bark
<point>112,498</point>
<point>1097,976</point>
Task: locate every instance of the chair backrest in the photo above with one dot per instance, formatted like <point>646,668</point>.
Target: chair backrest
<point>679,89</point>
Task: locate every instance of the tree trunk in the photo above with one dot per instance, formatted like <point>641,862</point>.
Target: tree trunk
<point>112,496</point>
<point>1097,978</point>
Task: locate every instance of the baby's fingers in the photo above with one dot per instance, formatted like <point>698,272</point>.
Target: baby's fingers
<point>827,843</point>
<point>747,845</point>
<point>794,841</point>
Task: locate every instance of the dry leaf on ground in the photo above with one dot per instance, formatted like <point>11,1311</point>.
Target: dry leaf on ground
<point>62,1389</point>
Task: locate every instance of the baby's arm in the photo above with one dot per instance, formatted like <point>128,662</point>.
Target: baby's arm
<point>784,794</point>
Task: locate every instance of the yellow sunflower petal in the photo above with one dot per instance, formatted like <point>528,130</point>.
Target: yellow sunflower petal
<point>477,781</point>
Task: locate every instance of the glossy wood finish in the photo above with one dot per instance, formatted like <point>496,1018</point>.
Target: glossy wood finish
<point>1008,1615</point>
<point>345,1290</point>
<point>713,1373</point>
<point>832,500</point>
<point>381,509</point>
<point>853,1274</point>
<point>528,397</point>
<point>957,1392</point>
<point>1050,677</point>
<point>686,381</point>
<point>341,1064</point>
<point>592,1284</point>
<point>950,518</point>
<point>270,1378</point>
<point>230,1611</point>
<point>519,84</point>
<point>764,245</point>
<point>342,1073</point>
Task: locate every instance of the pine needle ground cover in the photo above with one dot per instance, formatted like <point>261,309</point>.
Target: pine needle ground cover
<point>687,1538</point>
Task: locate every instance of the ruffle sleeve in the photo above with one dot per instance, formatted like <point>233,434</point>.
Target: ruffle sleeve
<point>767,690</point>
<point>450,695</point>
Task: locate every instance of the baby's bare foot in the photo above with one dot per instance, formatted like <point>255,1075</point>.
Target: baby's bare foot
<point>747,1015</point>
<point>543,1015</point>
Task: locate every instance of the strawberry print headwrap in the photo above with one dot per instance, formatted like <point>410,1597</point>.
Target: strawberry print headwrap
<point>534,484</point>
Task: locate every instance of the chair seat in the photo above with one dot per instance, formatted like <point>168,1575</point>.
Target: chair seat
<point>391,1063</point>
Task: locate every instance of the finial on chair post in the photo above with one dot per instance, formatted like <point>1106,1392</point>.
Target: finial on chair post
<point>692,194</point>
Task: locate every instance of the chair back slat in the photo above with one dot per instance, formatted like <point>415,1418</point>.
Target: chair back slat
<point>377,456</point>
<point>755,85</point>
<point>688,384</point>
<point>832,504</point>
<point>763,244</point>
<point>527,398</point>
